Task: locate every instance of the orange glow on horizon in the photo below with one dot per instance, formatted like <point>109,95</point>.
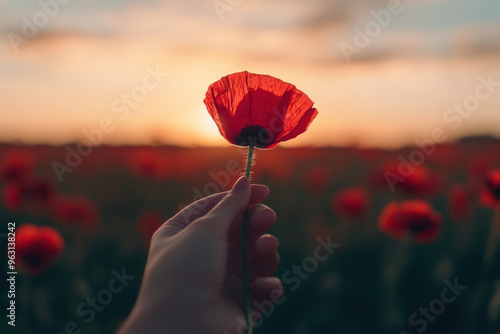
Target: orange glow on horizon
<point>63,82</point>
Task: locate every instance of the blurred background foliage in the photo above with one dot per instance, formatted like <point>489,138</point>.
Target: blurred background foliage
<point>107,208</point>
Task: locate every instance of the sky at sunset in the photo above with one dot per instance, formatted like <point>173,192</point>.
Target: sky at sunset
<point>66,76</point>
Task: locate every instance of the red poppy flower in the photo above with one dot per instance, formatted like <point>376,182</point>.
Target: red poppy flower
<point>419,181</point>
<point>491,195</point>
<point>459,204</point>
<point>37,247</point>
<point>78,211</point>
<point>40,191</point>
<point>12,197</point>
<point>414,218</point>
<point>258,110</point>
<point>16,166</point>
<point>148,223</point>
<point>37,192</point>
<point>351,202</point>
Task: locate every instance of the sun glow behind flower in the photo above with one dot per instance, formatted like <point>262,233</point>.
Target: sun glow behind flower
<point>208,129</point>
<point>394,91</point>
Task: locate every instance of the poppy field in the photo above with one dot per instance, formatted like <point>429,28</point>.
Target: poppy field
<point>371,240</point>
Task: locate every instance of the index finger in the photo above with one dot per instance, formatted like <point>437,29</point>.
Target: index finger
<point>201,207</point>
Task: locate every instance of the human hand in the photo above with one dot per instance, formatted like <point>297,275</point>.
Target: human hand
<point>192,281</point>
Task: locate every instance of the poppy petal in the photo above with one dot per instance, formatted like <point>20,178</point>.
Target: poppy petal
<point>267,110</point>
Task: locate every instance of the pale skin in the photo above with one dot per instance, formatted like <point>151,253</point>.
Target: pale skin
<point>192,281</point>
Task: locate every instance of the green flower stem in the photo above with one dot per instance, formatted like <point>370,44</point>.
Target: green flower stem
<point>244,270</point>
<point>491,246</point>
<point>484,275</point>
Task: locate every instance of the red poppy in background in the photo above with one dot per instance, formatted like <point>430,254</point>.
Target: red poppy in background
<point>459,203</point>
<point>258,110</point>
<point>78,211</point>
<point>37,247</point>
<point>351,202</point>
<point>16,166</point>
<point>12,197</point>
<point>414,218</point>
<point>148,223</point>
<point>421,182</point>
<point>37,192</point>
<point>418,181</point>
<point>491,194</point>
<point>40,191</point>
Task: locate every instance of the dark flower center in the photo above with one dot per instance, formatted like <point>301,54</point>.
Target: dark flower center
<point>420,224</point>
<point>32,259</point>
<point>254,135</point>
<point>494,188</point>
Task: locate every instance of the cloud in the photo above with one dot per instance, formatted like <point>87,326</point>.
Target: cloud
<point>94,51</point>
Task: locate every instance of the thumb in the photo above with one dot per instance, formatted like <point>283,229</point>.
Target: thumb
<point>230,207</point>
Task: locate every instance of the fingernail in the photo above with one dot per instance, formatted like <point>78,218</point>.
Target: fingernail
<point>265,209</point>
<point>241,185</point>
